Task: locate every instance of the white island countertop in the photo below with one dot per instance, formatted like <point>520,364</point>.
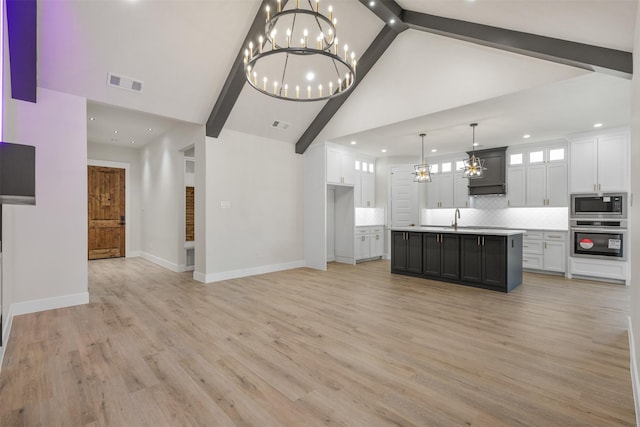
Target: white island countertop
<point>460,230</point>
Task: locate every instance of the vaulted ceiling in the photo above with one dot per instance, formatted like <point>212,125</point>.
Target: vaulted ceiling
<point>183,52</point>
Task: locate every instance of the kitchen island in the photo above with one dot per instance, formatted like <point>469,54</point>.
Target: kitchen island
<point>483,258</point>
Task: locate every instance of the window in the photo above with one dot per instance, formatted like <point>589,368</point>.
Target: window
<point>357,165</point>
<point>556,154</point>
<point>434,168</point>
<point>459,165</point>
<point>515,159</point>
<point>536,157</point>
<point>446,167</point>
<point>370,167</point>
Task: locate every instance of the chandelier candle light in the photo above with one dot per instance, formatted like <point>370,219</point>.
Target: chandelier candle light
<point>285,58</point>
<point>423,170</point>
<point>473,166</point>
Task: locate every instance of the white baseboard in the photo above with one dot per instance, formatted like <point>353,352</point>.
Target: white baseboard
<point>200,277</point>
<point>34,306</point>
<point>345,260</point>
<point>6,330</point>
<point>43,304</point>
<point>177,268</point>
<point>635,382</point>
<point>252,271</point>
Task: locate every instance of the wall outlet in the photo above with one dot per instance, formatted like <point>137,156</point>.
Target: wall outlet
<point>224,204</point>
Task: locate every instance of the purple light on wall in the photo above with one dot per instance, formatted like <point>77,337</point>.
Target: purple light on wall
<point>22,36</point>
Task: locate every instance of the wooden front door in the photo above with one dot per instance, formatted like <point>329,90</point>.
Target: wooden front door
<point>106,212</point>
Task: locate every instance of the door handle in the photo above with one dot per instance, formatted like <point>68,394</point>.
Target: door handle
<point>482,240</point>
<point>478,243</point>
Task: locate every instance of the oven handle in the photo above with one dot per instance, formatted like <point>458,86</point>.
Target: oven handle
<point>601,230</point>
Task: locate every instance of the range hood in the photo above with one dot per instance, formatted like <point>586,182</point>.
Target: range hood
<point>493,179</point>
<point>17,174</point>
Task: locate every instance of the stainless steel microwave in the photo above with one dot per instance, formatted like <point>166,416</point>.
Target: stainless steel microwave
<point>605,205</point>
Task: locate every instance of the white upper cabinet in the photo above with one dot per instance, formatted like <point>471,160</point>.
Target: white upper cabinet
<point>340,166</point>
<point>460,191</point>
<point>537,176</point>
<point>365,182</point>
<point>600,163</point>
<point>515,186</point>
<point>447,189</point>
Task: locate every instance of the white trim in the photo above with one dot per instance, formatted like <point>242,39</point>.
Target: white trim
<point>6,330</point>
<point>177,268</point>
<point>635,381</point>
<point>200,277</point>
<point>127,195</point>
<point>234,274</point>
<point>62,301</point>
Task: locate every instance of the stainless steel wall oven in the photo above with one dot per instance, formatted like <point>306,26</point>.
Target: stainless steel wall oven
<point>601,239</point>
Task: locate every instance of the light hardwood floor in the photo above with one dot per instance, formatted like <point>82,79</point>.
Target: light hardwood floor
<point>353,346</point>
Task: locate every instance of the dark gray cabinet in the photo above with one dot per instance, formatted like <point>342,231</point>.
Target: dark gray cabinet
<point>493,179</point>
<point>440,255</point>
<point>483,260</point>
<point>486,261</point>
<point>406,252</point>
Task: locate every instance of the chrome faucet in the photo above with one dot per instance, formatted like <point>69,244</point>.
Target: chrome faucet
<point>456,215</point>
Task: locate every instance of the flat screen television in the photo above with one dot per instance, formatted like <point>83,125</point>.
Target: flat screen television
<point>17,174</point>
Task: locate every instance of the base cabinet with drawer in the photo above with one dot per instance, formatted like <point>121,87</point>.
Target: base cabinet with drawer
<point>545,251</point>
<point>369,243</point>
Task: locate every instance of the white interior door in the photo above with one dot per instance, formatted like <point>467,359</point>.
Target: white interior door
<point>404,197</point>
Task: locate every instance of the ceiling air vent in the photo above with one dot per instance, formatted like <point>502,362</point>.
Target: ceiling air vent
<point>280,125</point>
<point>122,82</point>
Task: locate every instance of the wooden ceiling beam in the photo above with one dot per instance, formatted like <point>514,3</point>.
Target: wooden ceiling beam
<point>379,45</point>
<point>589,57</point>
<point>235,79</point>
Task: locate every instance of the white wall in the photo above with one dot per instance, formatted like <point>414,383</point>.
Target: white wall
<point>162,232</point>
<point>634,217</point>
<point>130,156</point>
<point>45,246</point>
<point>262,230</point>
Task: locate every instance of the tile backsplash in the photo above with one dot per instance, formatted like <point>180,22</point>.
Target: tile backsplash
<point>369,216</point>
<point>493,212</point>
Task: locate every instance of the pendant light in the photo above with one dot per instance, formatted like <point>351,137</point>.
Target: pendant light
<point>473,166</point>
<point>423,170</point>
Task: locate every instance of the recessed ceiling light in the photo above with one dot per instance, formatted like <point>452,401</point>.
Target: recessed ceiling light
<point>92,118</point>
<point>475,144</point>
<point>384,150</point>
<point>133,142</point>
<point>372,3</point>
<point>526,136</point>
<point>353,142</point>
<point>310,76</point>
<point>149,129</point>
<point>433,150</point>
<point>597,125</point>
<point>115,131</point>
<point>393,21</point>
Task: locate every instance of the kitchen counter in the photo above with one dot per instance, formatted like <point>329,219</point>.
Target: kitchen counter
<point>483,258</point>
<point>462,230</point>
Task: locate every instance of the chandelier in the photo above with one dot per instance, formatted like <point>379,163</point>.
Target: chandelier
<point>423,170</point>
<point>473,166</point>
<point>298,58</point>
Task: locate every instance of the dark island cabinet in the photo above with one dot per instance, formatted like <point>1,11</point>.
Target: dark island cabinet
<point>483,260</point>
<point>406,252</point>
<point>440,255</point>
<point>480,260</point>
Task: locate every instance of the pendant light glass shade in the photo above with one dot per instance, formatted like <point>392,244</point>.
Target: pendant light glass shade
<point>473,166</point>
<point>423,170</point>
